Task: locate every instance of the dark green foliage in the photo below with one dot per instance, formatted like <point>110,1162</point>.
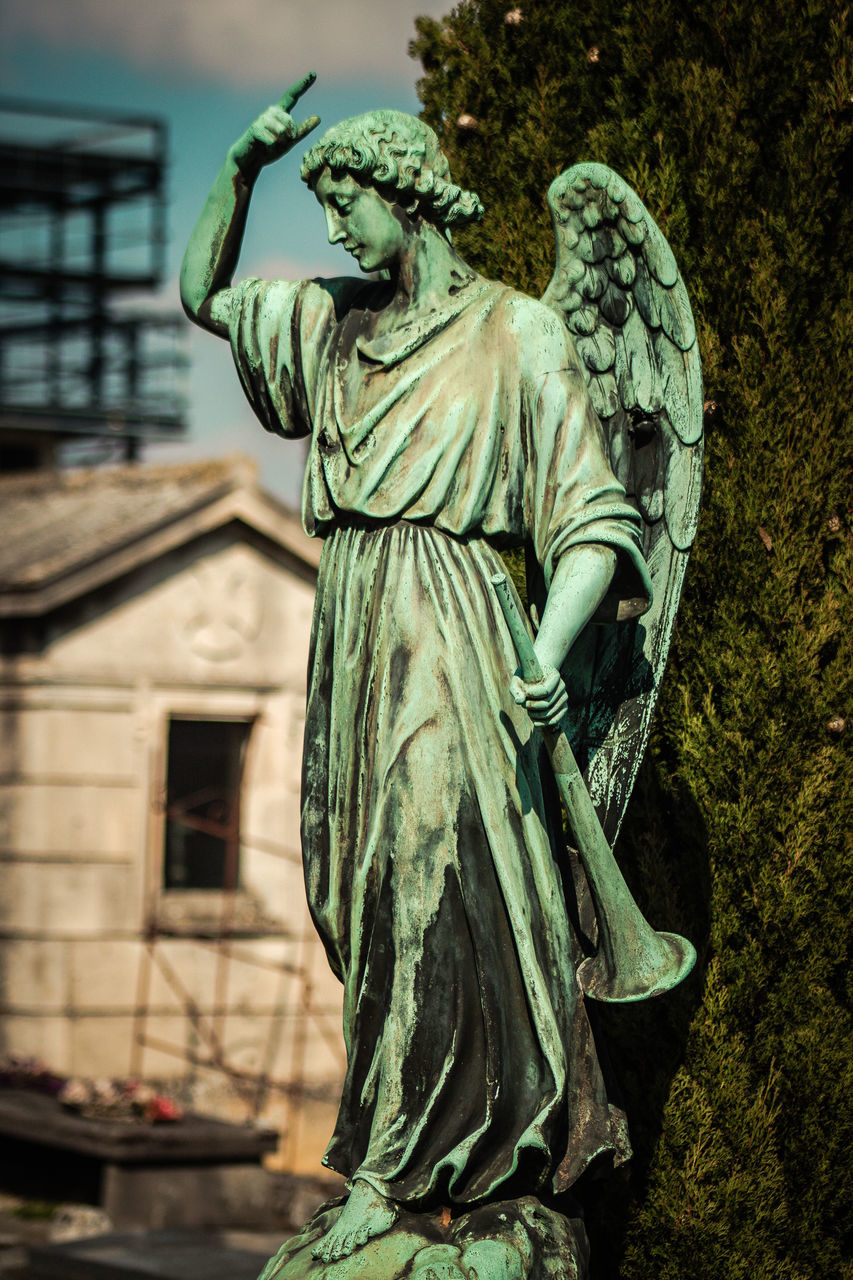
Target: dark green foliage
<point>734,122</point>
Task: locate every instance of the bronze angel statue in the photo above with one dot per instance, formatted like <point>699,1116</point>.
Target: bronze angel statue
<point>449,418</point>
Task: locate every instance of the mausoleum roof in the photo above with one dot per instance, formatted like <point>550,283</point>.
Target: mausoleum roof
<point>66,531</point>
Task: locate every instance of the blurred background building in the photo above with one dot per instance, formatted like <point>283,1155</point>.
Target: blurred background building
<point>155,625</point>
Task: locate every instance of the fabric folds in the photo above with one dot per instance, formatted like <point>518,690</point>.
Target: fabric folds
<point>434,863</point>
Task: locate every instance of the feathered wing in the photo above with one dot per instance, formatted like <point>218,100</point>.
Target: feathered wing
<point>619,290</point>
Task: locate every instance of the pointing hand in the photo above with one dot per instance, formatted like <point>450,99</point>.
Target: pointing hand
<point>274,133</point>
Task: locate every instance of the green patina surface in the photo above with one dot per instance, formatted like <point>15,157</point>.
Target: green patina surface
<point>450,418</point>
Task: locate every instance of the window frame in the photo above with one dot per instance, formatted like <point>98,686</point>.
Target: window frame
<point>230,834</point>
<point>200,913</point>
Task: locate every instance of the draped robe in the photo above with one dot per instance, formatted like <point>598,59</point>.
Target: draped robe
<point>434,862</point>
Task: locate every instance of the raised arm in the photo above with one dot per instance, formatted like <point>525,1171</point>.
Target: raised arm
<point>214,246</point>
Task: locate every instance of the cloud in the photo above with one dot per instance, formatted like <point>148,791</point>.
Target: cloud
<point>241,42</point>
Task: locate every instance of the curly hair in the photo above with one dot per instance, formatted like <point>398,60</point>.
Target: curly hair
<point>400,152</point>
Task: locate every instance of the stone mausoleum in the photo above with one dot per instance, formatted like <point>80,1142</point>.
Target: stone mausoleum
<point>155,626</point>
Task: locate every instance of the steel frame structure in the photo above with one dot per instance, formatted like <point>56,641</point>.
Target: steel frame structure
<point>82,249</point>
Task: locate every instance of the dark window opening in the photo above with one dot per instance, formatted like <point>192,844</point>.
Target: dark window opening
<point>203,777</point>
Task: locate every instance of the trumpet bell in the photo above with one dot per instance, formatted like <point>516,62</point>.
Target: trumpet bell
<point>657,963</point>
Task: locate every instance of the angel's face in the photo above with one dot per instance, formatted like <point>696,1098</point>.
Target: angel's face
<point>370,227</point>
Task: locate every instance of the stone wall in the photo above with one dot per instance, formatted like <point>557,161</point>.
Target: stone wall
<point>101,971</point>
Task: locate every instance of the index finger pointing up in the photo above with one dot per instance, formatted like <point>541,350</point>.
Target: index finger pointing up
<point>295,92</point>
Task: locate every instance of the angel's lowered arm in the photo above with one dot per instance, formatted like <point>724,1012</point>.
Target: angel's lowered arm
<point>581,579</point>
<point>214,246</point>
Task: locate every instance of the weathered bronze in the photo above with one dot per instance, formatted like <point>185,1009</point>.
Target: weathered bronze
<point>450,417</point>
<point>632,962</point>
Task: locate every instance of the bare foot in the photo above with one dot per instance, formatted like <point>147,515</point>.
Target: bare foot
<point>364,1215</point>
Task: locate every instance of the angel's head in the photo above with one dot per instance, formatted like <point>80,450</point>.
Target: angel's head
<point>400,156</point>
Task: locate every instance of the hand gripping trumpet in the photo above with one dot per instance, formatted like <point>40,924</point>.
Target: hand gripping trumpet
<point>633,961</point>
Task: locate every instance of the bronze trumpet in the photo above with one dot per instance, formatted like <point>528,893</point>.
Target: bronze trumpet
<point>633,961</point>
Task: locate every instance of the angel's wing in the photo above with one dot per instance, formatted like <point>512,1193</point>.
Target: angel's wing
<point>619,290</point>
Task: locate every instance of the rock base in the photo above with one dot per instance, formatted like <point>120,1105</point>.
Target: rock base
<point>510,1240</point>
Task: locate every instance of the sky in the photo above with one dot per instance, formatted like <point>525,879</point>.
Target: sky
<point>208,67</point>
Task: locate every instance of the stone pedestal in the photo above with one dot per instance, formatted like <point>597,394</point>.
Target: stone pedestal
<point>151,1255</point>
<point>511,1240</point>
<point>199,1172</point>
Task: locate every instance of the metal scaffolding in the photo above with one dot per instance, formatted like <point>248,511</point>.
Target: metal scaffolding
<point>82,248</point>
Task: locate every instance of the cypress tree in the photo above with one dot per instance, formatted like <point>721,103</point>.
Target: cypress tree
<point>734,123</point>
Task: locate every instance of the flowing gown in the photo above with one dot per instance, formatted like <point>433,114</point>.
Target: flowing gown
<point>434,864</point>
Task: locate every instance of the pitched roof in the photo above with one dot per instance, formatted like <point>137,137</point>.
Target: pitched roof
<point>69,530</point>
